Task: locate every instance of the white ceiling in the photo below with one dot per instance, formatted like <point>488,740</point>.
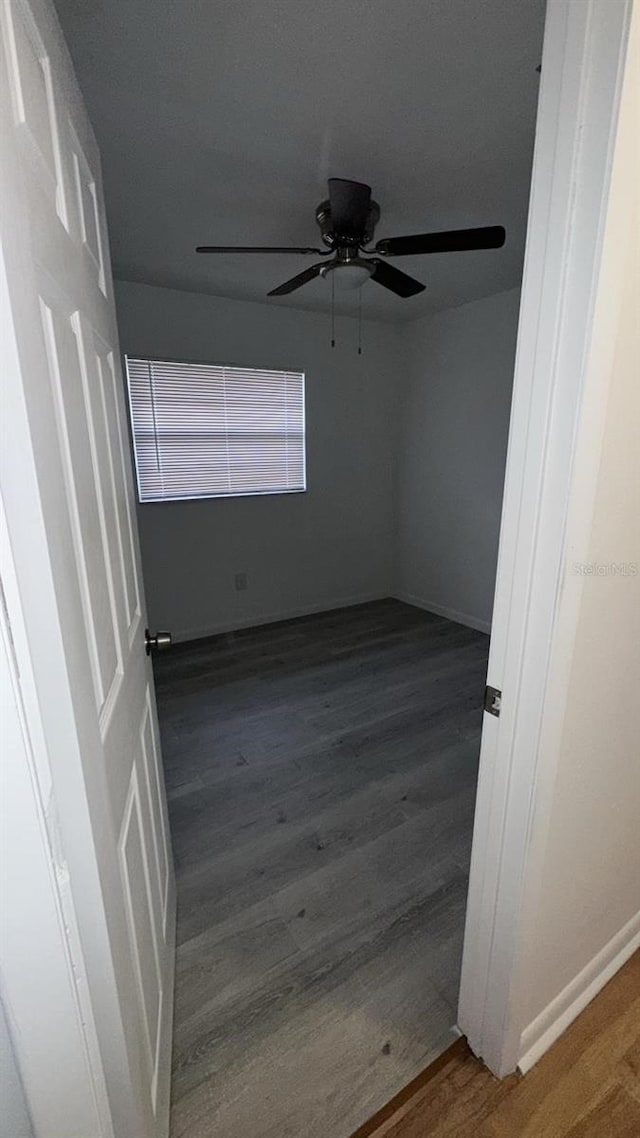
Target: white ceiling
<point>219,122</point>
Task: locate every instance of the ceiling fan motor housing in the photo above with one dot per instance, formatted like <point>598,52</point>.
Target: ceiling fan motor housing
<point>333,239</point>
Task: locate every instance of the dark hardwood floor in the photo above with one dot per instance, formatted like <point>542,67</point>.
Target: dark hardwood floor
<point>321,777</point>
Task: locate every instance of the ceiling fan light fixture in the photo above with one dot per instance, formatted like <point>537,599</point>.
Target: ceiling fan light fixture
<point>348,276</point>
<point>347,221</point>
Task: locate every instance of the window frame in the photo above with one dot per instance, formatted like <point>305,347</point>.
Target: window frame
<point>213,497</point>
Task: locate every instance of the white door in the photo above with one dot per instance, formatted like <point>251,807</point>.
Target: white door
<point>68,495</point>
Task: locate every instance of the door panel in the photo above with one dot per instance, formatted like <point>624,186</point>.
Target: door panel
<point>32,98</point>
<point>68,490</point>
<point>119,458</point>
<point>144,927</point>
<point>86,504</point>
<point>154,794</point>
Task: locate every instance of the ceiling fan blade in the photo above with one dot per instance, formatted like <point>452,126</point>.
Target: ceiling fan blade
<point>260,249</point>
<point>349,202</point>
<point>296,282</point>
<point>392,278</point>
<point>450,241</point>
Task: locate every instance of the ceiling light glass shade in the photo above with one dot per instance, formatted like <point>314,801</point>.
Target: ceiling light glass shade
<point>348,277</point>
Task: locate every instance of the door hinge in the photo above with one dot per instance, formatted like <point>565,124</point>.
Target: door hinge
<point>492,700</point>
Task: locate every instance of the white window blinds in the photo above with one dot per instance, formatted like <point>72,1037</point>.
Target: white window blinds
<point>208,431</point>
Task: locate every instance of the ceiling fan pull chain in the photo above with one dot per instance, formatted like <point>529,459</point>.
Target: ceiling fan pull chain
<point>333,311</point>
<point>360,322</point>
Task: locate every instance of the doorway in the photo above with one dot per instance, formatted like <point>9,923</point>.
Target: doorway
<point>88,943</point>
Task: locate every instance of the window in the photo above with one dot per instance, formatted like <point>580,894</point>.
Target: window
<point>209,431</point>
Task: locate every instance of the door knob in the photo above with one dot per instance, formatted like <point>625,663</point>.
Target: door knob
<point>156,643</point>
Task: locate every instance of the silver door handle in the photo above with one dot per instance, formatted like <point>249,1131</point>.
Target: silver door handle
<point>156,643</point>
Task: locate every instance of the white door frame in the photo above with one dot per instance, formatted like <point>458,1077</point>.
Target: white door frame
<point>582,69</point>
<point>583,62</point>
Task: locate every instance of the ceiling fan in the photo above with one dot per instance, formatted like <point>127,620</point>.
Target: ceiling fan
<point>347,221</point>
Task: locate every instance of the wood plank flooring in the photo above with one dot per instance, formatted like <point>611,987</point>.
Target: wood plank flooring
<point>586,1086</point>
<point>321,777</point>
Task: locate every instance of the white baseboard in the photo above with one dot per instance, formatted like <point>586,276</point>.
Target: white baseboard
<point>254,620</point>
<point>556,1017</point>
<point>441,610</point>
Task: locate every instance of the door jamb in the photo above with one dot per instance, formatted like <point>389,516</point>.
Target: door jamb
<point>52,1014</point>
<point>582,69</point>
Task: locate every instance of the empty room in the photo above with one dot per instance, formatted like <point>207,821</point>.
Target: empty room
<point>319,431</point>
<point>316,229</point>
<point>319,568</point>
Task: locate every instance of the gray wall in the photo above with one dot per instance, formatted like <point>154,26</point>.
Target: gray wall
<point>406,449</point>
<point>452,444</point>
<point>301,552</point>
<point>14,1114</point>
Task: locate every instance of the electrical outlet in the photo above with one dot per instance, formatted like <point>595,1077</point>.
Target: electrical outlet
<point>241,582</point>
